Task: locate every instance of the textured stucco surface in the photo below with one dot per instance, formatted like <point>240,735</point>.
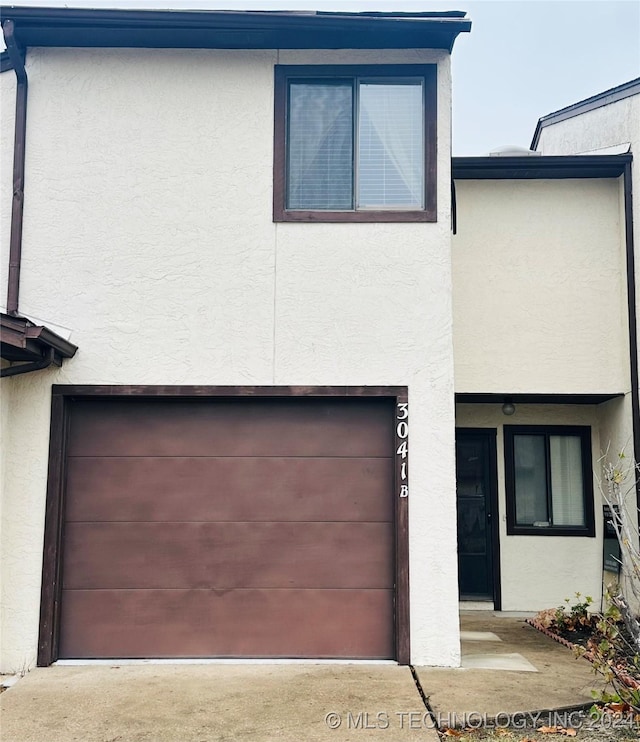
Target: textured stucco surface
<point>148,238</point>
<point>607,126</point>
<point>616,123</point>
<point>539,287</point>
<point>541,571</point>
<point>7,118</point>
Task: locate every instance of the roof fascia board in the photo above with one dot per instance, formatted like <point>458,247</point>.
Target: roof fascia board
<point>550,167</point>
<point>612,95</point>
<point>534,398</point>
<point>229,29</point>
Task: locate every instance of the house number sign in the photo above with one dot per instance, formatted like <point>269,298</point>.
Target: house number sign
<point>402,434</point>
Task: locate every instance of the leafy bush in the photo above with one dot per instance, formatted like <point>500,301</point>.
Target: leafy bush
<point>566,618</point>
<point>605,640</point>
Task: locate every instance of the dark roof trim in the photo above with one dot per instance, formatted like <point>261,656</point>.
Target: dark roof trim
<point>613,95</point>
<point>23,340</point>
<point>377,14</point>
<point>473,398</point>
<point>531,167</point>
<point>233,30</point>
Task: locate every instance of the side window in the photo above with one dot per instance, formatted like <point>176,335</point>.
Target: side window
<point>355,143</point>
<point>549,484</point>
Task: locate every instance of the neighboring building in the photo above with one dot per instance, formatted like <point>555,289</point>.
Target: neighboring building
<point>607,123</point>
<point>236,249</point>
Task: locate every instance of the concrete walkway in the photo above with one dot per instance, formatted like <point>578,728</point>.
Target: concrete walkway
<point>508,668</point>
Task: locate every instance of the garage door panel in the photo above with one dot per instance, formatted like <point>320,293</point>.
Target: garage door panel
<point>289,427</point>
<point>228,555</point>
<point>235,623</point>
<point>228,489</point>
<point>236,527</point>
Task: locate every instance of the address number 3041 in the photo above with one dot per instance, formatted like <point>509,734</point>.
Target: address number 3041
<point>402,434</point>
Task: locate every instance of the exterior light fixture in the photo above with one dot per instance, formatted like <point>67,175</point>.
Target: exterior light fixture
<point>508,408</point>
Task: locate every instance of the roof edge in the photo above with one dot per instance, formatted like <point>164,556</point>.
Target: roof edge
<point>544,167</point>
<point>535,398</point>
<point>605,98</point>
<point>23,328</point>
<point>100,27</point>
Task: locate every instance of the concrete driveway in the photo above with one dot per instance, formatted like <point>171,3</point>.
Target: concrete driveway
<point>211,703</point>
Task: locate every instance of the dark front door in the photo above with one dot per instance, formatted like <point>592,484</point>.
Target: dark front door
<point>476,496</point>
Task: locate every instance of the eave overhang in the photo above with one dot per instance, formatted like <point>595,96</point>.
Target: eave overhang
<point>72,27</point>
<point>535,398</point>
<point>531,167</point>
<point>24,341</point>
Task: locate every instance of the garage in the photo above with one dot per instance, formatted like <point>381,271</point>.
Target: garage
<point>227,527</point>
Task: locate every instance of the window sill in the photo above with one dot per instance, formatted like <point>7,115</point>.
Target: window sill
<point>551,531</point>
<point>354,216</point>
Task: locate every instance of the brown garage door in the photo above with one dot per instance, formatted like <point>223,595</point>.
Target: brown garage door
<point>229,528</point>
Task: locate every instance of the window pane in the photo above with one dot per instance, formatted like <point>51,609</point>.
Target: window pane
<point>567,490</point>
<point>390,145</point>
<point>320,146</point>
<point>531,480</point>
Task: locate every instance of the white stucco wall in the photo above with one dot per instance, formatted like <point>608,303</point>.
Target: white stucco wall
<point>148,234</point>
<point>7,116</point>
<point>541,571</point>
<point>614,124</point>
<point>539,287</point>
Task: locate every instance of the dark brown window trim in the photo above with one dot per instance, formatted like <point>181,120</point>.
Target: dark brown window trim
<point>284,72</point>
<point>584,432</point>
<point>62,398</point>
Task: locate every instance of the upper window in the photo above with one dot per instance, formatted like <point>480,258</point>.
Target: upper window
<point>355,143</point>
<point>549,480</point>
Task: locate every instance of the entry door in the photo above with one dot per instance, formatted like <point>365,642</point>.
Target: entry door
<point>476,499</point>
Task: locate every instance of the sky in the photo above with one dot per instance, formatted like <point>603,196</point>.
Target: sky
<point>522,60</point>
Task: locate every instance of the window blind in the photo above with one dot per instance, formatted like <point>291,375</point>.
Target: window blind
<point>390,145</point>
<point>566,480</point>
<point>320,146</point>
<point>530,479</point>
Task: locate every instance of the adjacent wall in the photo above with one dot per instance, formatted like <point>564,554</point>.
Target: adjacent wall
<point>539,287</point>
<point>613,125</point>
<point>540,307</point>
<point>148,236</point>
<point>7,97</point>
<point>541,571</point>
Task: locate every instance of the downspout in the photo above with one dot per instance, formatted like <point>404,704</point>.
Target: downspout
<point>16,55</point>
<point>25,368</point>
<point>633,327</point>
